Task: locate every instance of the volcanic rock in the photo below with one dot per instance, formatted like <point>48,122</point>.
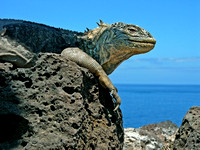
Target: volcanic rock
<point>150,137</point>
<point>188,135</point>
<point>56,105</point>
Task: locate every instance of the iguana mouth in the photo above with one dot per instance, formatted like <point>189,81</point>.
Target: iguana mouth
<point>141,40</point>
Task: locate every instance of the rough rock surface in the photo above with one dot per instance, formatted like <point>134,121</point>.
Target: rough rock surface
<point>56,105</point>
<point>137,139</point>
<point>150,137</point>
<point>165,131</point>
<point>188,135</point>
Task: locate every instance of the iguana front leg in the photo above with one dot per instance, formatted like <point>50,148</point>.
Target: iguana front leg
<point>83,59</point>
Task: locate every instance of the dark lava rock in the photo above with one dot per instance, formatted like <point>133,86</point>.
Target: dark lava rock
<point>188,135</point>
<point>56,105</point>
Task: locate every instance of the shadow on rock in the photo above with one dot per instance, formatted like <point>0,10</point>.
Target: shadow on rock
<point>12,124</point>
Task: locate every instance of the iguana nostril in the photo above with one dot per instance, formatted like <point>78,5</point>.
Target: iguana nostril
<point>149,34</point>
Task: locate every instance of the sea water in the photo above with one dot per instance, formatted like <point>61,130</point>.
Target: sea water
<point>146,104</point>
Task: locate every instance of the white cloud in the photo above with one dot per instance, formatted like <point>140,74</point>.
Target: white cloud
<point>162,60</point>
<point>166,68</point>
<point>191,64</point>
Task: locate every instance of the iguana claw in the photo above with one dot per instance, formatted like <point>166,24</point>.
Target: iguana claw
<point>116,97</point>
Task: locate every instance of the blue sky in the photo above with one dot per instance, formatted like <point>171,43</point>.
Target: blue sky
<point>174,23</point>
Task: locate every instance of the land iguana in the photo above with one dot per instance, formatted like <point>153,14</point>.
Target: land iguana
<point>100,50</point>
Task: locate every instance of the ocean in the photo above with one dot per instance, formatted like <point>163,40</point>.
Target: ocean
<point>146,104</point>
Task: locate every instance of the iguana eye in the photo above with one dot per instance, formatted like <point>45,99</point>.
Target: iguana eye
<point>132,30</point>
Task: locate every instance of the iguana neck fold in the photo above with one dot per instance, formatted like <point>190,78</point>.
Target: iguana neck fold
<point>96,42</point>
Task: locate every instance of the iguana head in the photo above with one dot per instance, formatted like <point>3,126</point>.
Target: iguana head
<point>112,44</point>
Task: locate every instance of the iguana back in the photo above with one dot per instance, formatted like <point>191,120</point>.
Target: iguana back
<point>38,37</point>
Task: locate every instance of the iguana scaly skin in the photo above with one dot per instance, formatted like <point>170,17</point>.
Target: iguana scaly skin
<point>100,50</point>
